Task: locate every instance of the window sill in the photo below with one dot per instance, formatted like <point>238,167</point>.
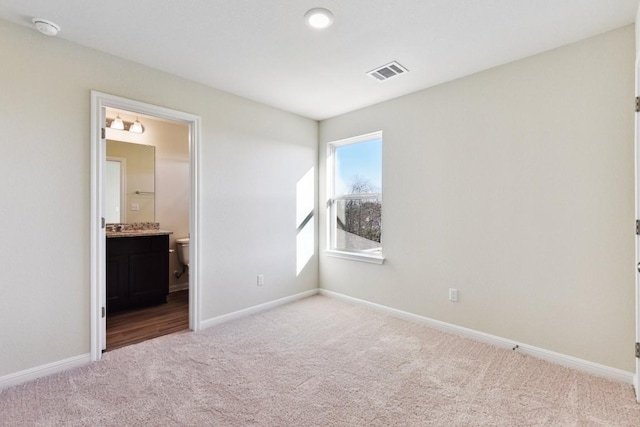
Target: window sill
<point>355,256</point>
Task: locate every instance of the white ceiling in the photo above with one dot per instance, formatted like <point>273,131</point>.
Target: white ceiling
<point>262,49</point>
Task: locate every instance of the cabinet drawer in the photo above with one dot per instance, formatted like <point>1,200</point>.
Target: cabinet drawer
<point>136,245</point>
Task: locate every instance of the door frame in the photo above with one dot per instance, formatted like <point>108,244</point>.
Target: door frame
<point>99,101</point>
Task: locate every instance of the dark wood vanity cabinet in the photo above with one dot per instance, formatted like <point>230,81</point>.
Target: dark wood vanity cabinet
<point>137,271</point>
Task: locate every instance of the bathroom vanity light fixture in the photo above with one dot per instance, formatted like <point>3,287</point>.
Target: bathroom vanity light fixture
<point>119,124</point>
<point>319,18</point>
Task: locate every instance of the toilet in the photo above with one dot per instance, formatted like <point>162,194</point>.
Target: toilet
<point>182,246</point>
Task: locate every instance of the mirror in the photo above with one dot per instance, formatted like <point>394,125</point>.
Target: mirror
<point>130,182</point>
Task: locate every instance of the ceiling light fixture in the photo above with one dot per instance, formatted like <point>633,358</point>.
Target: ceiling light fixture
<point>319,18</point>
<point>46,27</point>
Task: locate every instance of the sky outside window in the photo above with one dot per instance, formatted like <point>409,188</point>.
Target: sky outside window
<point>358,161</point>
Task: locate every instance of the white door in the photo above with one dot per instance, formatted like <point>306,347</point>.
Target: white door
<point>636,380</point>
<point>98,237</point>
<point>102,251</point>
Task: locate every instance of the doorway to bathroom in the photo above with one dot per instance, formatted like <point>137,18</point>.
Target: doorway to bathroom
<point>146,196</point>
<point>144,222</point>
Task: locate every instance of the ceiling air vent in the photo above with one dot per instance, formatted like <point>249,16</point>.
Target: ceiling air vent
<point>387,71</point>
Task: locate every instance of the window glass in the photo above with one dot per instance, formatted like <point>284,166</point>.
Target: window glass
<point>359,167</point>
<point>356,203</point>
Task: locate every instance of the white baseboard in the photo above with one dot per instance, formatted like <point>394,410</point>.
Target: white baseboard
<point>21,377</point>
<point>615,374</point>
<point>178,287</point>
<point>255,309</point>
<point>30,374</point>
<point>540,353</point>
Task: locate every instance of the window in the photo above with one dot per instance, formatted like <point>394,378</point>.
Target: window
<point>355,198</point>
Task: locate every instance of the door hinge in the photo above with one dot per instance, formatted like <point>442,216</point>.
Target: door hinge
<point>104,135</point>
<point>103,223</point>
<point>104,313</point>
<point>638,349</point>
<point>637,227</point>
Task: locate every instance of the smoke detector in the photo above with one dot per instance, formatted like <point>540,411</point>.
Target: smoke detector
<point>46,27</point>
<point>385,72</point>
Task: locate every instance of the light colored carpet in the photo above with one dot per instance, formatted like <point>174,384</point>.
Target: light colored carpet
<point>318,362</point>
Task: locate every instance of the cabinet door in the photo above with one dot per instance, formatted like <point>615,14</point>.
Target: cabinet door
<point>147,277</point>
<point>117,282</point>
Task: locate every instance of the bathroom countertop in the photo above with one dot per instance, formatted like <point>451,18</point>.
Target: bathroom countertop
<point>137,233</point>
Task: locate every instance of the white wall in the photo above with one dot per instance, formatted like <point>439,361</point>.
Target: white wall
<point>173,186</point>
<point>638,33</point>
<point>515,186</point>
<point>252,159</point>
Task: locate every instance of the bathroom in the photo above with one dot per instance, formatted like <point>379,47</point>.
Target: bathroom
<point>148,184</point>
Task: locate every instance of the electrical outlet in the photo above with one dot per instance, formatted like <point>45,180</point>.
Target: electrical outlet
<point>135,207</point>
<point>453,295</point>
<point>260,279</point>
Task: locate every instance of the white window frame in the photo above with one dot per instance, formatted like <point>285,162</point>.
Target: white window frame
<point>364,256</point>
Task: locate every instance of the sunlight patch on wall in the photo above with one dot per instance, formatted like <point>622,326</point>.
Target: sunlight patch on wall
<point>305,238</point>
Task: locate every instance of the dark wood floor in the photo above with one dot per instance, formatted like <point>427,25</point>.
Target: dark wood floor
<point>134,326</point>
